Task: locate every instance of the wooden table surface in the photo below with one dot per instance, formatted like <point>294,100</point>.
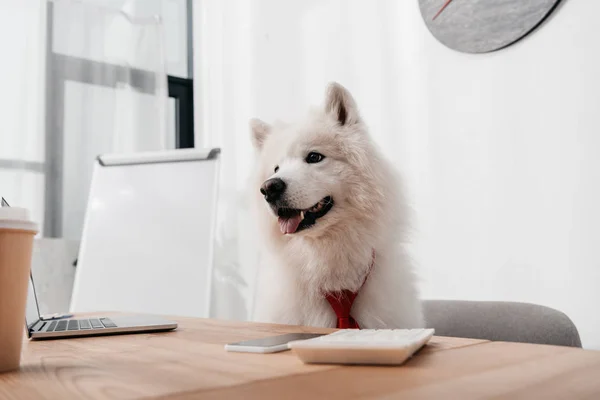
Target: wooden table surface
<point>191,363</point>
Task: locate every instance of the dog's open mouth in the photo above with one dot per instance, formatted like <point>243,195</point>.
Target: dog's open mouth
<point>293,220</point>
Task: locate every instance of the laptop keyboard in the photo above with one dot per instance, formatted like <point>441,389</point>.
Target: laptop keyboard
<point>96,324</point>
<point>85,324</point>
<point>80,324</point>
<point>61,326</point>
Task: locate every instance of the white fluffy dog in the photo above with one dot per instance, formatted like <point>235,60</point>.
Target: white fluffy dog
<point>331,218</point>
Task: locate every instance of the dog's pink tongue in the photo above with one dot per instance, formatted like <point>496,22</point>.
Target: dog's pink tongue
<point>289,225</point>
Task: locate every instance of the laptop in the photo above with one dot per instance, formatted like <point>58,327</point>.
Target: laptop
<point>38,327</point>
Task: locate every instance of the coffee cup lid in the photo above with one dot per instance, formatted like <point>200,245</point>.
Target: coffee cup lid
<point>16,218</point>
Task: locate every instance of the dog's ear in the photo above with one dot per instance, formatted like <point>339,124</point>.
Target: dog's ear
<point>260,131</point>
<point>341,105</point>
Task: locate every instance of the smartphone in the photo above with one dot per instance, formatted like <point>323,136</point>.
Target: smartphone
<point>271,344</point>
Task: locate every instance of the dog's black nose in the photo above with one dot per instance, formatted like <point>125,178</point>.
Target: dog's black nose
<point>272,189</point>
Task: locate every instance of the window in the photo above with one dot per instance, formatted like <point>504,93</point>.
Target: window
<point>72,77</point>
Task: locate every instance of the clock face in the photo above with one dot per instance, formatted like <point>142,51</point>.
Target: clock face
<point>481,26</point>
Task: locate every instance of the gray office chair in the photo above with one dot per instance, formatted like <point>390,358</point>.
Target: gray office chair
<point>501,321</point>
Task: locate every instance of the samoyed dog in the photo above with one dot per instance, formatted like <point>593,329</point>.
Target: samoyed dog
<point>331,221</point>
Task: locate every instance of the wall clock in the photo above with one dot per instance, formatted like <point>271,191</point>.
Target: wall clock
<point>481,26</point>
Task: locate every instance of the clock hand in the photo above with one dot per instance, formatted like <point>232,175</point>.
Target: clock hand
<point>441,9</point>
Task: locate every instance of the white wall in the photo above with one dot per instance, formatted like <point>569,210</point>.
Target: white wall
<point>507,185</point>
<point>500,152</point>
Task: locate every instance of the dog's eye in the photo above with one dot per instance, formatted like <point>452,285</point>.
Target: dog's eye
<point>276,168</point>
<point>313,158</point>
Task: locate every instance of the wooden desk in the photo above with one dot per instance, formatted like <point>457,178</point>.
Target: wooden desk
<point>191,363</point>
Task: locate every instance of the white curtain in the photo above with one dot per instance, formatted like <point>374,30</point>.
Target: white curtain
<point>21,105</point>
<point>90,78</point>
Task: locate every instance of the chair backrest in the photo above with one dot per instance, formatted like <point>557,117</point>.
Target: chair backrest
<point>52,266</point>
<point>147,242</point>
<point>501,321</point>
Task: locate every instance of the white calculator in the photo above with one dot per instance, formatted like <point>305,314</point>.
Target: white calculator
<point>364,346</point>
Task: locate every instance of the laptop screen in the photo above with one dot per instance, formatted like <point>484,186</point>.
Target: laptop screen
<point>32,312</point>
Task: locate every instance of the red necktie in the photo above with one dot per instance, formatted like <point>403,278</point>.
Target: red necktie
<point>341,303</point>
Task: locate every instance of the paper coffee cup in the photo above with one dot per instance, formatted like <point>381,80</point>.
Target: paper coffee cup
<point>16,242</point>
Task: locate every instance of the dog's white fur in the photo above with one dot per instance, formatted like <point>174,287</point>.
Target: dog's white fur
<point>335,254</point>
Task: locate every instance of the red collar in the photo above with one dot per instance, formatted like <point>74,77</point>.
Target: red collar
<point>341,303</point>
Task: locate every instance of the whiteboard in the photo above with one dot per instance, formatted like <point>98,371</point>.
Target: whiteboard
<point>148,234</point>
